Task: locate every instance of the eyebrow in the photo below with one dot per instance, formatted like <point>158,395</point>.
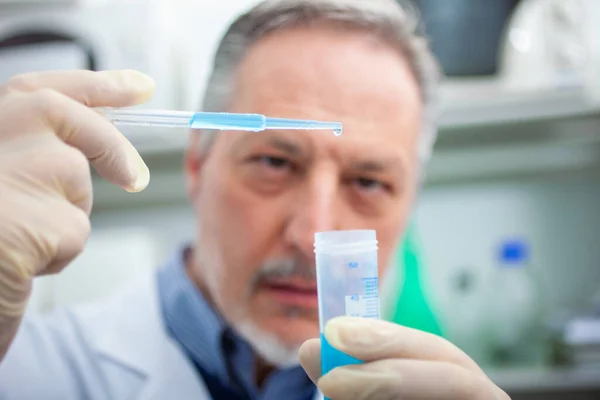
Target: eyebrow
<point>284,145</point>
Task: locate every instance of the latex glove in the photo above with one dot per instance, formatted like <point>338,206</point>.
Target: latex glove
<point>400,363</point>
<point>49,135</point>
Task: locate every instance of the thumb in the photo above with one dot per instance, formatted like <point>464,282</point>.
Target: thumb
<point>310,358</point>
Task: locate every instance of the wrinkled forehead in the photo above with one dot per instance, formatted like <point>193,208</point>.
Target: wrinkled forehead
<point>338,70</point>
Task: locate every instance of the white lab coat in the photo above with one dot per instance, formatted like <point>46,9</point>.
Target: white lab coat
<point>115,349</point>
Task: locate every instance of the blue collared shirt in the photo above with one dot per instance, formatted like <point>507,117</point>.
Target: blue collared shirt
<point>213,346</point>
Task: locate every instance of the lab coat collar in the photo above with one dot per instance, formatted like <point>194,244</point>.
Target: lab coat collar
<point>132,334</point>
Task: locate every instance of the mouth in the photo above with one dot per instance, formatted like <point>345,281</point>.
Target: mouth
<point>293,292</point>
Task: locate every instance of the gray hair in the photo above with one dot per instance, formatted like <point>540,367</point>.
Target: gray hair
<point>386,18</point>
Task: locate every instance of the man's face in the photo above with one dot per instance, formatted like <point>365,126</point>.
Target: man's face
<point>260,197</point>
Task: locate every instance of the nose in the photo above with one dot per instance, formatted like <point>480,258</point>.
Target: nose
<point>313,210</point>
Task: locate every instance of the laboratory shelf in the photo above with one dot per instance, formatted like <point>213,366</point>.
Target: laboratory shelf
<point>486,103</point>
<point>488,132</point>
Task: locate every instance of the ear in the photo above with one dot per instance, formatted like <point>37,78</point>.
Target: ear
<point>193,162</point>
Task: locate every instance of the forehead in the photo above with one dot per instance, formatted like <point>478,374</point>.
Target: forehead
<point>335,74</point>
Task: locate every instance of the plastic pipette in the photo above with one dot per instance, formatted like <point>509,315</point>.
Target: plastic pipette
<point>212,120</point>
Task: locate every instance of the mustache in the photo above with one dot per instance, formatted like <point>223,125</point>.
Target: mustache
<point>291,267</point>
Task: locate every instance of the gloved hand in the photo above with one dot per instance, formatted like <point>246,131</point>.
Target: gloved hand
<point>49,136</point>
<point>400,363</point>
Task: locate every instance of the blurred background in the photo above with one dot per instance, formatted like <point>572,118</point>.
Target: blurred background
<point>503,254</point>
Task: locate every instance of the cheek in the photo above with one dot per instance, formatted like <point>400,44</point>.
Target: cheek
<point>237,229</point>
<point>249,222</point>
<point>222,240</point>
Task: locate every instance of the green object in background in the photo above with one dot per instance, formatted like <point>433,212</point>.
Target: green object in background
<point>411,307</point>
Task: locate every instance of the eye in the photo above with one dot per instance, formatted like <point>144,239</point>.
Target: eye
<point>273,162</point>
<point>368,184</point>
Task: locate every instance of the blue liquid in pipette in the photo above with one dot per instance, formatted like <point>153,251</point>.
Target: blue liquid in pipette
<point>332,358</point>
<point>255,122</point>
<point>213,120</point>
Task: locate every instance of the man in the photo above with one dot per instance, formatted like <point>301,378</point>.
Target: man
<point>228,316</point>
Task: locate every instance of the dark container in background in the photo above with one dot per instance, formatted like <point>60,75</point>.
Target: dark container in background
<point>465,35</point>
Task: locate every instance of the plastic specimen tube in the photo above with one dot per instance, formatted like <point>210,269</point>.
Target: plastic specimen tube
<point>347,284</point>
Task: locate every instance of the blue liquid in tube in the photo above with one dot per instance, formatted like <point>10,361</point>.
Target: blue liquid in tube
<point>332,357</point>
